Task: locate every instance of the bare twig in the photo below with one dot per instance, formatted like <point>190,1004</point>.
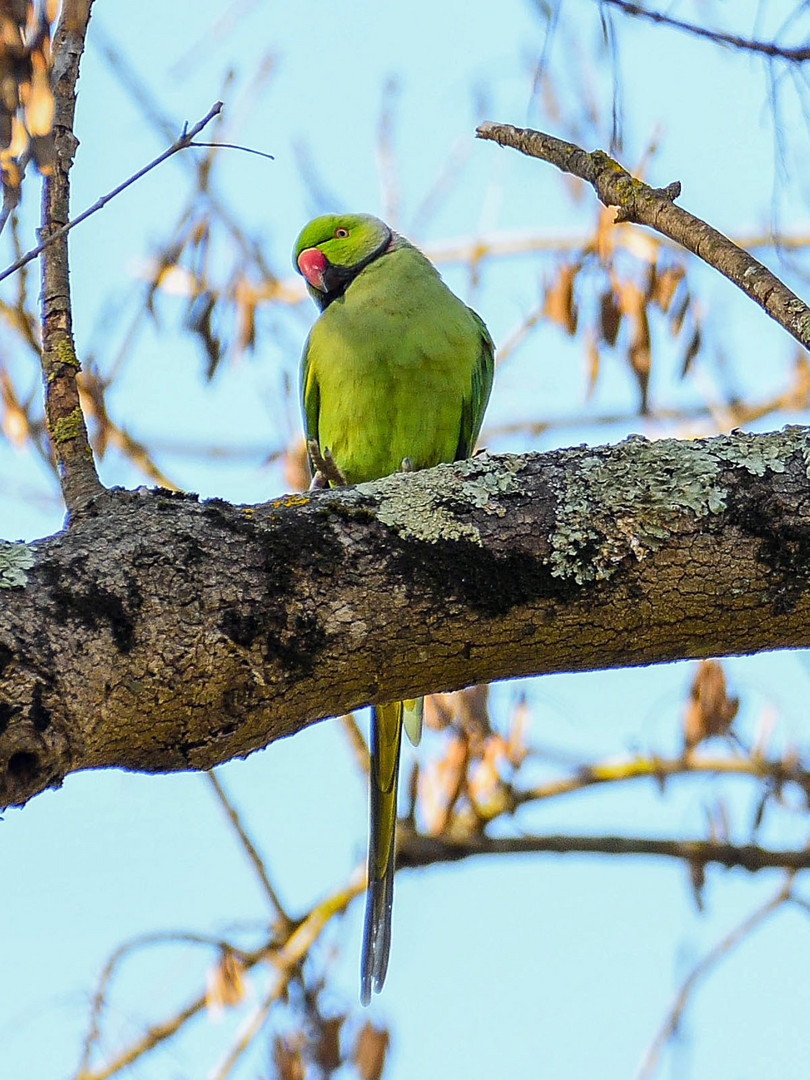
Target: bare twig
<point>232,146</point>
<point>286,960</point>
<point>181,143</point>
<point>416,850</point>
<point>358,744</point>
<point>659,769</point>
<point>765,48</point>
<point>654,207</point>
<point>100,996</point>
<point>255,858</point>
<point>721,949</point>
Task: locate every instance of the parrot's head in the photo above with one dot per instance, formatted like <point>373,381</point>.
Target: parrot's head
<point>333,249</point>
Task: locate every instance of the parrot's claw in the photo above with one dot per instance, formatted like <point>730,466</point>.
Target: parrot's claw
<point>326,469</point>
<point>406,465</point>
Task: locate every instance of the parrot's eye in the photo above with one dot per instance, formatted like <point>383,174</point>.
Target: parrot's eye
<point>341,233</point>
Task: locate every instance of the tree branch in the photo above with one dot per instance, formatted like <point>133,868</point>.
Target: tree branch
<point>66,427</point>
<point>161,633</point>
<point>721,949</point>
<point>416,850</point>
<point>182,142</point>
<point>654,207</point>
<point>770,49</point>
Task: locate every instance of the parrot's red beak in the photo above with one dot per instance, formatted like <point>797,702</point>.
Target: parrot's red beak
<point>312,263</point>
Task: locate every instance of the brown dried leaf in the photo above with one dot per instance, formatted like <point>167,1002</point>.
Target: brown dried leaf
<point>198,320</point>
<point>709,711</point>
<point>472,711</point>
<point>607,235</point>
<point>19,138</point>
<point>287,1059</point>
<point>13,420</point>
<point>442,782</point>
<point>326,1050</point>
<point>296,466</point>
<point>43,151</point>
<point>697,879</point>
<point>370,1050</point>
<point>516,748</point>
<point>691,351</point>
<point>798,394</point>
<point>678,314</point>
<point>610,317</point>
<point>39,105</point>
<point>663,284</point>
<point>245,308</point>
<point>592,359</point>
<point>633,305</point>
<point>440,710</point>
<point>226,986</point>
<point>558,303</point>
<point>485,776</point>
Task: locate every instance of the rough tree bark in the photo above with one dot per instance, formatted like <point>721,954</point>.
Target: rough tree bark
<point>162,633</point>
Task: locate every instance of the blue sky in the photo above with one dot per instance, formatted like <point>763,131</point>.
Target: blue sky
<point>553,966</point>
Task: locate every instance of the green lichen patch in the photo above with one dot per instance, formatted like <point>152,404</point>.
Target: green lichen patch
<point>797,433</point>
<point>628,500</point>
<point>757,454</point>
<point>631,498</point>
<point>68,427</point>
<point>15,559</point>
<point>429,506</point>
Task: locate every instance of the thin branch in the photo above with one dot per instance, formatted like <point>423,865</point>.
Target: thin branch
<point>254,857</point>
<point>286,959</point>
<point>246,1034</point>
<point>185,140</point>
<point>233,146</point>
<point>659,769</point>
<point>506,799</point>
<point>151,1038</point>
<point>654,207</point>
<point>723,948</point>
<point>357,742</point>
<point>766,48</point>
<point>100,996</point>
<point>416,850</point>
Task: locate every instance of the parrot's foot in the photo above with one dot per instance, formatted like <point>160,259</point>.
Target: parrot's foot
<point>326,469</point>
<point>406,465</point>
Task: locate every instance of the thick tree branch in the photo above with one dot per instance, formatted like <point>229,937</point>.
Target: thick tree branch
<point>63,413</point>
<point>654,207</point>
<point>161,633</point>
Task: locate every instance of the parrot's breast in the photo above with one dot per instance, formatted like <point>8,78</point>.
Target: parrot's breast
<point>394,361</point>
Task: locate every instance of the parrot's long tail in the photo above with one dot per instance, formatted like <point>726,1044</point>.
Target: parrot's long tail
<point>387,722</point>
<point>386,736</point>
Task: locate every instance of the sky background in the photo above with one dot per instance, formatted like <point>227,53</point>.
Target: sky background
<point>549,966</point>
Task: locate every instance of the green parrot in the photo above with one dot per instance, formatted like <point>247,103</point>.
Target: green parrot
<point>396,374</point>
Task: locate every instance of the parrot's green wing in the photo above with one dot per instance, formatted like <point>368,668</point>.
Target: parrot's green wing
<point>311,398</point>
<point>472,408</point>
